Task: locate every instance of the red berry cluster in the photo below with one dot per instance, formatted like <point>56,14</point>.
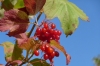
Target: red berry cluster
<point>47,31</point>
<point>49,52</point>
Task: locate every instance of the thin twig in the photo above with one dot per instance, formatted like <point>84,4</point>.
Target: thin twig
<point>27,59</point>
<point>34,25</point>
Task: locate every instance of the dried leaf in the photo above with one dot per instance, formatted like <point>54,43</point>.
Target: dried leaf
<point>27,43</point>
<point>61,48</point>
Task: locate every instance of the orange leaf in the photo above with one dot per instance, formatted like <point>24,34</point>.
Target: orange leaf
<point>61,48</point>
<point>34,6</point>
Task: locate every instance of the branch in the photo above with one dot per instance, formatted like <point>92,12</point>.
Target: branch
<point>34,25</point>
<point>27,59</point>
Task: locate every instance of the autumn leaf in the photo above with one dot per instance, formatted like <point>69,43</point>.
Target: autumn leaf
<point>1,65</point>
<point>8,50</point>
<point>34,6</point>
<point>61,48</point>
<point>16,62</point>
<point>67,12</point>
<point>26,43</point>
<point>15,21</point>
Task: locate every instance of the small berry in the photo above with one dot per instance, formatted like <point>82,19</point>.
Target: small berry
<point>45,25</point>
<point>58,32</point>
<point>53,26</point>
<point>42,47</point>
<point>43,30</point>
<point>56,53</point>
<point>46,56</point>
<point>38,31</point>
<point>36,52</point>
<point>57,37</point>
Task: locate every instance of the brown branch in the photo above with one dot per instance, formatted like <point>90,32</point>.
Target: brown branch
<point>27,59</point>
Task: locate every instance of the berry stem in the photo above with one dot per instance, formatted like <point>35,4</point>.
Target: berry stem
<point>34,24</point>
<point>27,53</point>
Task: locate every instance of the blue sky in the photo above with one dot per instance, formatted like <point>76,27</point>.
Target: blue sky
<point>83,44</point>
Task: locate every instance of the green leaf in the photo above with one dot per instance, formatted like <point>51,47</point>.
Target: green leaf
<point>67,13</point>
<point>39,62</point>
<point>7,5</point>
<point>97,60</point>
<point>17,53</point>
<point>1,13</point>
<point>13,1</point>
<point>19,4</point>
<point>61,48</point>
<point>8,50</point>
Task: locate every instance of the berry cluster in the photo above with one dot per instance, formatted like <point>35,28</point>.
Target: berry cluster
<point>47,31</point>
<point>49,52</point>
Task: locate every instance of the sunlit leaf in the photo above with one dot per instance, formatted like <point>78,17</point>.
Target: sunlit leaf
<point>8,50</point>
<point>39,62</point>
<point>13,1</point>
<point>34,6</point>
<point>19,4</point>
<point>1,13</point>
<point>67,13</point>
<point>61,48</point>
<point>15,21</point>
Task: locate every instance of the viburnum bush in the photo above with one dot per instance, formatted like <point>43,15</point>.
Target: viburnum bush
<point>15,18</point>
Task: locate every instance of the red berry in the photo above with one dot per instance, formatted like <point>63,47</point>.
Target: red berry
<point>50,50</point>
<point>51,31</point>
<point>56,53</point>
<point>57,37</point>
<point>52,54</point>
<point>58,32</point>
<point>46,56</point>
<point>53,26</point>
<point>45,25</point>
<point>42,47</point>
<point>55,32</point>
<point>43,30</point>
<point>38,31</point>
<point>36,52</point>
<point>46,34</point>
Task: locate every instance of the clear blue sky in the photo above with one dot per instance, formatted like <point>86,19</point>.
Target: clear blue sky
<point>83,44</point>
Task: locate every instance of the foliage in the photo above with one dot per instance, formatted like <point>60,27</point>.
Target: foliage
<point>14,18</point>
<point>97,60</point>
